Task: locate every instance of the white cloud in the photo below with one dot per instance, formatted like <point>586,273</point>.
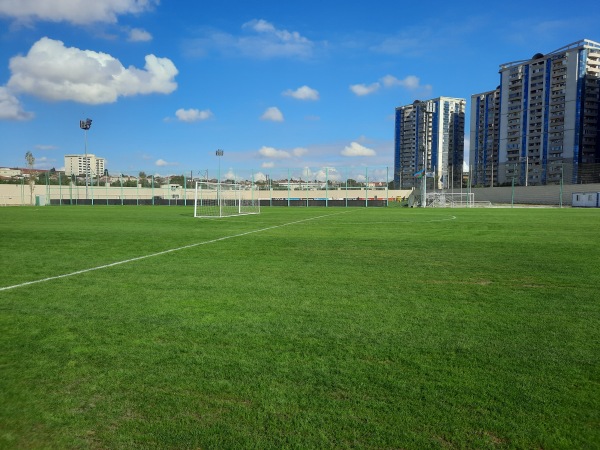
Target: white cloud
<point>74,11</point>
<point>259,176</point>
<point>355,149</point>
<point>327,173</point>
<point>260,39</point>
<point>390,81</point>
<point>229,175</point>
<point>273,42</point>
<point>270,152</point>
<point>193,115</point>
<point>55,72</point>
<point>46,147</point>
<point>299,151</point>
<point>139,35</point>
<point>410,82</point>
<point>11,108</point>
<point>273,114</point>
<point>163,163</point>
<point>303,93</point>
<point>363,89</point>
<point>268,165</point>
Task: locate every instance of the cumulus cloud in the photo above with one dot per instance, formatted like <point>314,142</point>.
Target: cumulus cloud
<point>193,115</point>
<point>303,93</point>
<point>299,151</point>
<point>139,35</point>
<point>11,108</point>
<point>363,89</point>
<point>163,163</point>
<point>273,114</point>
<point>410,82</point>
<point>74,11</point>
<point>268,165</point>
<point>273,153</point>
<point>55,72</point>
<point>260,39</point>
<point>327,173</point>
<point>355,149</point>
<point>259,176</point>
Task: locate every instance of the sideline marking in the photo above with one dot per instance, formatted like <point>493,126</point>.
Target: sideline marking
<point>393,222</point>
<point>164,252</point>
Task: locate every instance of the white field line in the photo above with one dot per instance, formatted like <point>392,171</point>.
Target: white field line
<point>394,222</point>
<point>164,252</point>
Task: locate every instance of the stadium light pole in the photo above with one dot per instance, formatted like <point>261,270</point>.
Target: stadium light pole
<point>219,154</point>
<point>429,108</point>
<point>85,126</point>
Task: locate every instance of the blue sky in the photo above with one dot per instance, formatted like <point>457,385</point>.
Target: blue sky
<point>274,84</point>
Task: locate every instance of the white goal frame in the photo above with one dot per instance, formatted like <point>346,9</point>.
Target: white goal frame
<point>213,200</point>
<point>451,200</point>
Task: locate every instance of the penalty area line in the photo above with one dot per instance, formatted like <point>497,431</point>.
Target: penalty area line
<point>164,252</point>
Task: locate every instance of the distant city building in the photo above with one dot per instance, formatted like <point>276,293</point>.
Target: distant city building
<point>549,120</point>
<point>6,172</point>
<point>484,138</point>
<point>79,164</point>
<point>429,138</point>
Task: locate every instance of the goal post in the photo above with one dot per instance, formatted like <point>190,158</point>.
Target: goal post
<point>224,200</point>
<point>450,200</point>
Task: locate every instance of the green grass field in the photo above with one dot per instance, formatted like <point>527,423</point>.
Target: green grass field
<point>300,328</point>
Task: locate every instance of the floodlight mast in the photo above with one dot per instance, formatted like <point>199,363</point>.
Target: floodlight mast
<point>219,153</point>
<point>429,109</point>
<point>85,126</point>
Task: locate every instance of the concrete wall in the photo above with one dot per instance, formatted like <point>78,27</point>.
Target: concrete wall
<point>533,195</point>
<point>12,194</point>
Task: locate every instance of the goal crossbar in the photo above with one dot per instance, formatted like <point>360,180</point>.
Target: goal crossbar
<point>213,200</point>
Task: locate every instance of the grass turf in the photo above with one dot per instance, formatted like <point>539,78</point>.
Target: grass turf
<point>306,327</point>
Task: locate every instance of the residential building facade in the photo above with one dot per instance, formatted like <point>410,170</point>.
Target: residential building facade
<point>429,143</point>
<point>82,164</point>
<point>549,120</point>
<point>484,138</point>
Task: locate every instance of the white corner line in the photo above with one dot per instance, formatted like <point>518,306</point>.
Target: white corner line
<point>164,252</point>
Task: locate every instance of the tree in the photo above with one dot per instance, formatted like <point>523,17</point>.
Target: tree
<point>176,179</point>
<point>30,162</point>
<point>353,183</point>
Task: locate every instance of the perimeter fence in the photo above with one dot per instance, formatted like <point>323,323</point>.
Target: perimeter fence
<point>347,186</point>
<point>363,186</point>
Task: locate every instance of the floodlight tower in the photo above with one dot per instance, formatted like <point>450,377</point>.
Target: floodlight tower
<point>219,153</point>
<point>85,126</point>
<point>428,110</point>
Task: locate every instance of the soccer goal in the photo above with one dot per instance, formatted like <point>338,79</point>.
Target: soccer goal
<point>224,199</point>
<point>451,200</point>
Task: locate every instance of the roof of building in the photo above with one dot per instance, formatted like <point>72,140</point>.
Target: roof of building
<point>582,43</point>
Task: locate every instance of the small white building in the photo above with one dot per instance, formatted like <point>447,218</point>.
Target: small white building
<point>7,172</point>
<point>586,199</point>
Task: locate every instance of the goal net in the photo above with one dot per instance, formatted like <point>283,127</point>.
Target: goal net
<point>224,199</point>
<point>451,200</point>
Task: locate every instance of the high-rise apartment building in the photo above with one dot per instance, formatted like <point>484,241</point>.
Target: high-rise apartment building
<point>429,139</point>
<point>549,127</point>
<point>484,138</point>
<point>80,164</point>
